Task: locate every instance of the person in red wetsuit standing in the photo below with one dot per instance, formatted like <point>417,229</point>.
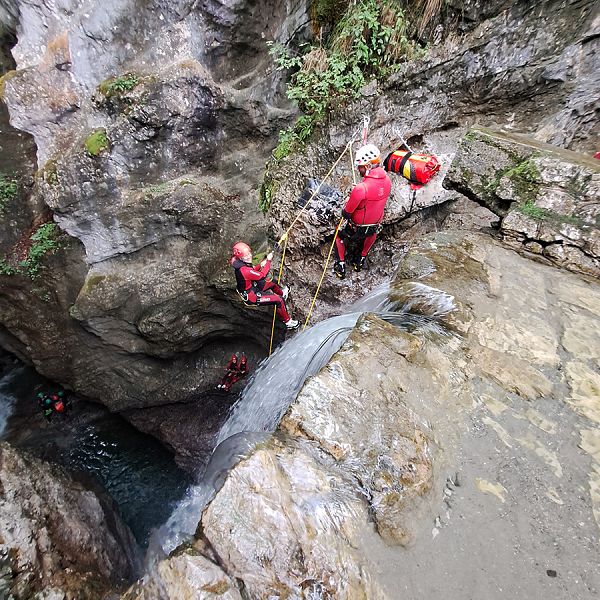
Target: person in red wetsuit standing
<point>364,208</point>
<point>253,285</point>
<point>236,369</point>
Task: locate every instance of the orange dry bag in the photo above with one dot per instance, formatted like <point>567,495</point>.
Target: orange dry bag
<point>417,168</point>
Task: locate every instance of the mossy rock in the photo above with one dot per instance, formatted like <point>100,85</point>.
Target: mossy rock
<point>117,86</point>
<point>96,142</point>
<point>49,172</point>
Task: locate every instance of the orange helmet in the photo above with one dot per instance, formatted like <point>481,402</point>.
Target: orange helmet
<point>241,249</point>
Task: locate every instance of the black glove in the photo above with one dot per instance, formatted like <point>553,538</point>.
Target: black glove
<point>346,215</point>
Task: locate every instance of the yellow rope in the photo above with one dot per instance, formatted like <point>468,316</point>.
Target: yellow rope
<point>283,239</point>
<point>275,307</point>
<point>337,229</point>
<point>287,231</point>
<point>323,274</point>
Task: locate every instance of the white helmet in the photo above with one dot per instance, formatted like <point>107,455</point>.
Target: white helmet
<point>368,155</point>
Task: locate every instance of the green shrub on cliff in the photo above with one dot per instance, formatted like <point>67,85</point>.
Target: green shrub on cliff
<point>44,240</point>
<point>8,190</point>
<point>368,41</point>
<point>116,86</point>
<point>5,268</point>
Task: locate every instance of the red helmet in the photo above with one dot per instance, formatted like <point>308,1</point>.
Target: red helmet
<point>240,249</point>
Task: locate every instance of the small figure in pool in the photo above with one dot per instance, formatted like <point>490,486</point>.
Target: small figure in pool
<point>237,369</point>
<point>50,403</point>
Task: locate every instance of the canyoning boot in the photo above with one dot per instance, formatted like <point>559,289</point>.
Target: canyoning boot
<point>285,292</point>
<point>339,268</point>
<point>360,263</point>
<point>292,324</point>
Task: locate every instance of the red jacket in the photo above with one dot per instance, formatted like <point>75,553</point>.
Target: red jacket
<point>248,276</point>
<point>367,199</point>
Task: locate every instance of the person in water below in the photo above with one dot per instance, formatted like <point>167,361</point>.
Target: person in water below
<point>236,369</point>
<point>255,287</point>
<point>364,208</point>
<point>51,403</point>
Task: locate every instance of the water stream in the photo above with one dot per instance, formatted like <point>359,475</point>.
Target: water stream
<point>273,387</point>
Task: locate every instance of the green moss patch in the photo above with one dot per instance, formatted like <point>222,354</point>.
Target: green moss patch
<point>267,192</point>
<point>96,142</point>
<point>117,86</point>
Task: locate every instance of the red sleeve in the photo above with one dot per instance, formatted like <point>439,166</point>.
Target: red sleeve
<point>253,274</point>
<point>358,193</point>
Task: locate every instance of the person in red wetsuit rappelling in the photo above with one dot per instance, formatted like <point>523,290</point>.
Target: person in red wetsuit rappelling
<point>364,208</point>
<point>253,285</point>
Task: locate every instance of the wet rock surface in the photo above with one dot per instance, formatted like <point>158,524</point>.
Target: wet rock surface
<point>57,536</point>
<point>473,446</point>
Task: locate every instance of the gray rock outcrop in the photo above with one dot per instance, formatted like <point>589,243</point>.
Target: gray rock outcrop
<point>527,67</point>
<point>57,536</point>
<point>548,198</point>
<point>153,180</point>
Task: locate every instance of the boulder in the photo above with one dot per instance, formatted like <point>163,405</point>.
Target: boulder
<point>56,534</point>
<point>426,428</point>
<point>187,575</point>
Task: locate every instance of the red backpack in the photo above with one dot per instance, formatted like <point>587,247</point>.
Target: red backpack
<point>417,168</point>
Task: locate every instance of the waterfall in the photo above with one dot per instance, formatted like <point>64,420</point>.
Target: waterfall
<point>274,386</point>
<point>7,400</point>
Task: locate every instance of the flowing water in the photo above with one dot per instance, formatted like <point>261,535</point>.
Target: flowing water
<point>274,386</point>
<point>135,469</point>
<point>7,399</point>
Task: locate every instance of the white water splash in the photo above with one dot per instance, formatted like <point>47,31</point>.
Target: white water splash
<point>7,400</point>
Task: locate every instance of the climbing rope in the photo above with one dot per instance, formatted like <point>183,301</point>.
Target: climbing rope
<point>284,237</point>
<point>275,307</point>
<point>337,229</point>
<point>365,131</point>
<point>316,191</point>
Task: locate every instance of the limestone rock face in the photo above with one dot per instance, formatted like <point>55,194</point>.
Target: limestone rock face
<point>391,451</point>
<point>153,180</point>
<point>548,197</point>
<point>188,575</point>
<point>398,438</point>
<point>273,524</point>
<point>57,535</point>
